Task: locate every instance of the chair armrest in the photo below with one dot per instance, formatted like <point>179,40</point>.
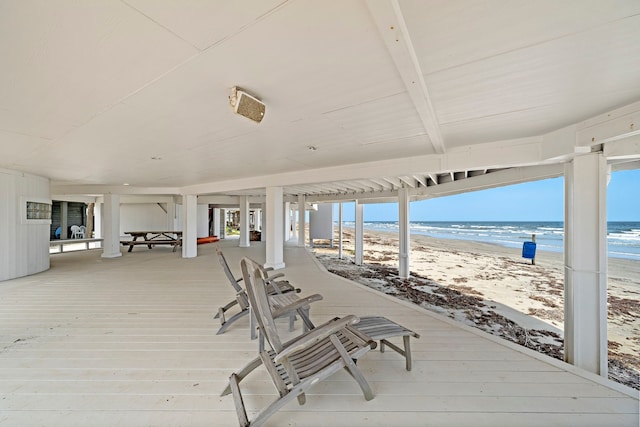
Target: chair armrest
<point>316,335</point>
<point>302,302</point>
<point>273,277</point>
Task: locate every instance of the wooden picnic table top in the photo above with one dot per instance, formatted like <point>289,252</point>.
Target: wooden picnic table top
<point>152,238</point>
<point>157,233</point>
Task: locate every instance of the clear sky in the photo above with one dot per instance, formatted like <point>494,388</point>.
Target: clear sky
<point>531,201</point>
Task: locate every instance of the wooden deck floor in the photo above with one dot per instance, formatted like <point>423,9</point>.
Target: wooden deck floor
<point>131,342</point>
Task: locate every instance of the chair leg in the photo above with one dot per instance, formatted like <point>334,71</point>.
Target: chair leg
<point>238,401</point>
<point>221,316</point>
<point>407,351</point>
<point>292,319</point>
<point>267,412</point>
<point>226,307</point>
<point>242,374</point>
<point>352,368</point>
<point>232,319</point>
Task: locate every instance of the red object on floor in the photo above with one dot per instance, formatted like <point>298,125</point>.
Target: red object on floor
<point>209,239</point>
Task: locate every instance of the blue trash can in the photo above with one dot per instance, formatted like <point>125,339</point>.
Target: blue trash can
<point>529,250</point>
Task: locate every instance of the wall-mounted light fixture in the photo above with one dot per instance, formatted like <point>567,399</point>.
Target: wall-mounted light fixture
<point>246,105</point>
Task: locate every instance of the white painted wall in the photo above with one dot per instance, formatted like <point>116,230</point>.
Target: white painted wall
<point>321,222</point>
<point>24,247</point>
<point>142,216</point>
<point>150,216</point>
<point>203,220</point>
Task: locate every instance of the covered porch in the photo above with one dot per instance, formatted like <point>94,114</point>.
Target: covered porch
<point>131,341</point>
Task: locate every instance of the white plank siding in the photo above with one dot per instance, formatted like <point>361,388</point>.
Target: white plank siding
<point>131,342</point>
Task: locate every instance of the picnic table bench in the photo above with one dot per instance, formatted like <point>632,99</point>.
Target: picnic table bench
<point>153,238</point>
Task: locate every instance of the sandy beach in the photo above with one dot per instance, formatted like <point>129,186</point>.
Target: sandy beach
<point>493,288</point>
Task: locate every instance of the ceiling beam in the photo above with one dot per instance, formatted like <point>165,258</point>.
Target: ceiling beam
<point>481,182</point>
<point>421,179</point>
<point>388,16</point>
<point>382,183</point>
<point>499,178</point>
<point>408,180</point>
<point>393,180</point>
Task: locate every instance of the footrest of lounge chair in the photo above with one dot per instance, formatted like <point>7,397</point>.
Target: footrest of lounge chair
<point>381,328</point>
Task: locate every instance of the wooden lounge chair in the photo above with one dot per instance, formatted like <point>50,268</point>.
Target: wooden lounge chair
<point>298,364</point>
<point>274,287</point>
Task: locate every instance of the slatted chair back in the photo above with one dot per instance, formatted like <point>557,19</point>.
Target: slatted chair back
<point>227,271</point>
<point>259,301</point>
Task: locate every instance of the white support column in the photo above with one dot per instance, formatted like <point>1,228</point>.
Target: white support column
<point>359,233</point>
<point>257,219</point>
<point>171,214</point>
<point>111,226</point>
<point>223,224</point>
<point>98,231</point>
<point>189,226</point>
<point>216,222</point>
<point>340,230</point>
<point>64,218</point>
<point>244,222</point>
<point>287,221</point>
<point>275,222</point>
<point>263,224</point>
<point>294,226</point>
<point>302,221</point>
<point>585,277</point>
<point>404,235</point>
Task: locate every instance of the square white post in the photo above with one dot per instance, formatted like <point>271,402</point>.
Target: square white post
<point>111,226</point>
<point>64,218</point>
<point>98,232</point>
<point>189,226</point>
<point>340,230</point>
<point>216,222</point>
<point>171,214</point>
<point>244,222</point>
<point>404,235</point>
<point>223,224</point>
<point>294,225</point>
<point>302,221</point>
<point>585,279</point>
<point>275,223</point>
<point>287,221</point>
<point>257,222</point>
<point>359,233</point>
<point>263,224</point>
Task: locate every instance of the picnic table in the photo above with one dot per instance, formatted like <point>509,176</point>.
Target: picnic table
<point>153,238</point>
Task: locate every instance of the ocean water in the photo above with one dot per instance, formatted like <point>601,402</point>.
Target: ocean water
<point>623,238</point>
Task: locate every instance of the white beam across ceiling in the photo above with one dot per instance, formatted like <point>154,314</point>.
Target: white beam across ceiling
<point>391,195</point>
<point>408,180</point>
<point>99,190</point>
<point>393,28</point>
<point>355,186</point>
<point>612,126</point>
<point>421,179</point>
<point>393,180</point>
<point>629,165</point>
<point>525,152</point>
<point>382,183</point>
<point>369,185</point>
<point>490,180</point>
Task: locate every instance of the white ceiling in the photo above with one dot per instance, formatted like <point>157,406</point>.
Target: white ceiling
<point>108,92</point>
